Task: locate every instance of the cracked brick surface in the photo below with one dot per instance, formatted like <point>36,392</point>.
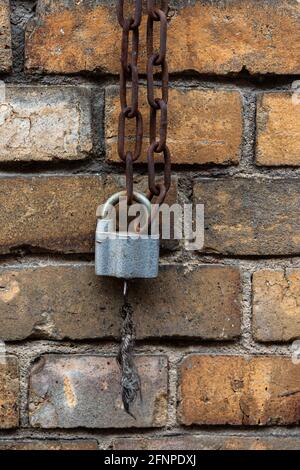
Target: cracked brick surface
<point>239,390</point>
<point>205,37</point>
<point>276,306</point>
<point>44,123</point>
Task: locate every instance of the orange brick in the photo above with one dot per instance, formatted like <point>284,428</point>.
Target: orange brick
<point>210,37</point>
<point>276,309</point>
<point>239,390</point>
<point>201,130</point>
<point>278,130</point>
<point>69,301</point>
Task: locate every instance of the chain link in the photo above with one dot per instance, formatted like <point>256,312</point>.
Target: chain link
<point>158,104</point>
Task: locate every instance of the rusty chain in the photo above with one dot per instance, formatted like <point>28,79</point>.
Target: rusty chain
<point>129,73</point>
<point>160,104</point>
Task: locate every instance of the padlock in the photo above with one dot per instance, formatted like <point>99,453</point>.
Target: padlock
<point>125,255</point>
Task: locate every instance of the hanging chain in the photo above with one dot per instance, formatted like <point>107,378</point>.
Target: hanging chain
<point>129,73</point>
<point>158,105</point>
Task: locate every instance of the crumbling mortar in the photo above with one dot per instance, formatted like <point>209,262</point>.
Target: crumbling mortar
<point>34,349</point>
<point>106,436</point>
<point>174,359</point>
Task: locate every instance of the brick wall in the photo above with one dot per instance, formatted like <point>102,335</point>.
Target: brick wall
<point>215,330</point>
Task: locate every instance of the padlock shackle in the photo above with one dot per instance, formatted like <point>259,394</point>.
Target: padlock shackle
<point>115,198</point>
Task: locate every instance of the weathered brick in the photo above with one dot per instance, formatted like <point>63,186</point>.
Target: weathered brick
<point>215,138</point>
<point>48,444</point>
<point>69,301</point>
<point>5,37</point>
<point>56,213</point>
<point>278,130</point>
<point>45,123</point>
<point>217,38</point>
<point>84,391</point>
<point>9,391</point>
<point>276,309</point>
<point>247,216</point>
<point>239,390</point>
<point>207,442</point>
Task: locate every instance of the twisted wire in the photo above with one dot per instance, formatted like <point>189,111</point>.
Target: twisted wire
<point>130,380</point>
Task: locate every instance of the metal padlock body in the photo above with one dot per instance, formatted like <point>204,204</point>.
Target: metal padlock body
<point>125,255</point>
